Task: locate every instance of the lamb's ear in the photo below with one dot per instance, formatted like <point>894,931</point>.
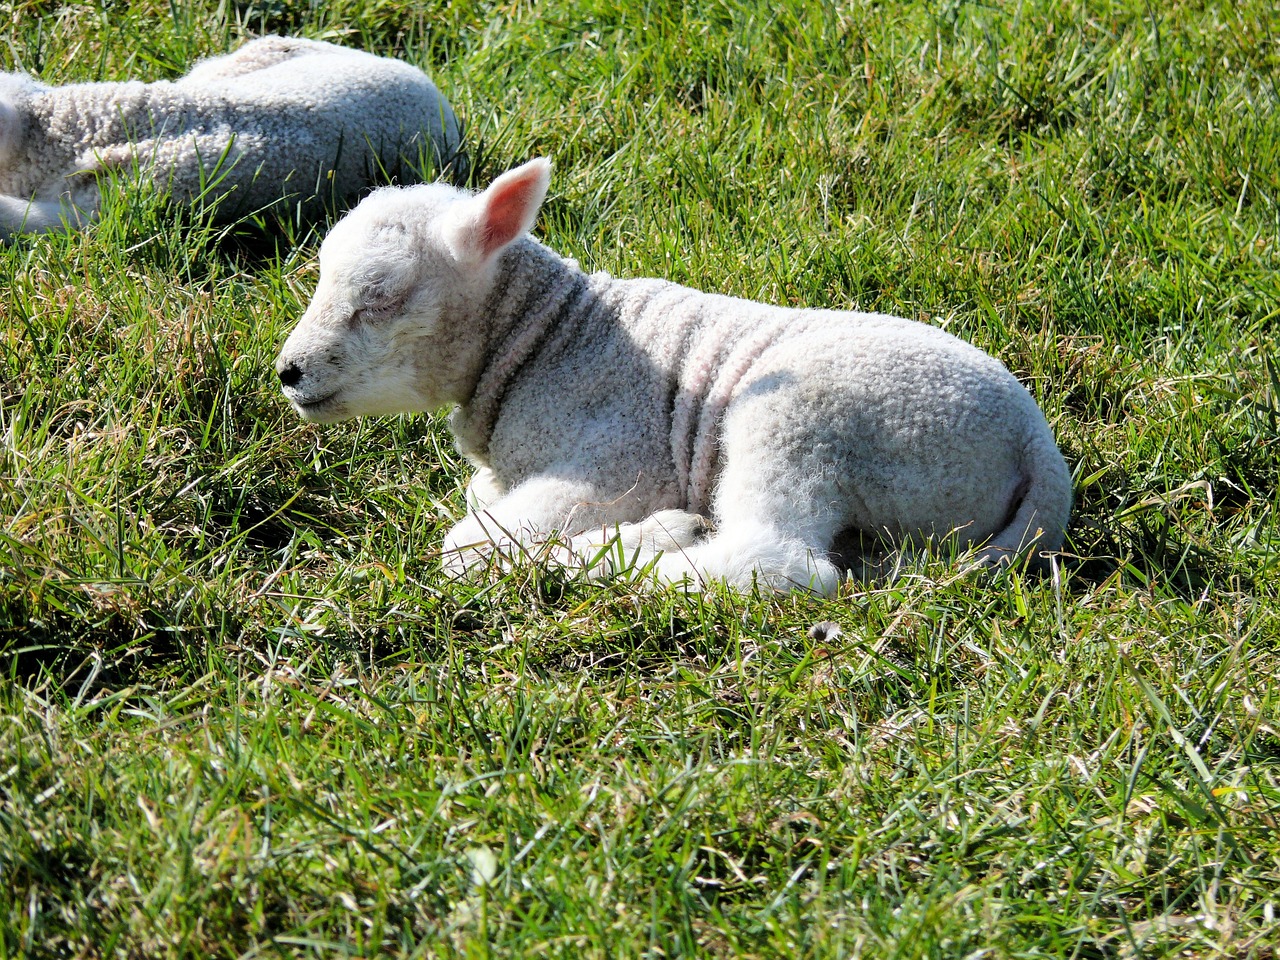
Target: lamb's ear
<point>503,212</point>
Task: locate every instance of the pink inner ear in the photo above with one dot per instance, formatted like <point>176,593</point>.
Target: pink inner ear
<point>508,212</point>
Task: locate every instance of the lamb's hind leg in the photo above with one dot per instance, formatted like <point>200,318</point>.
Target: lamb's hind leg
<point>772,528</point>
<point>746,552</point>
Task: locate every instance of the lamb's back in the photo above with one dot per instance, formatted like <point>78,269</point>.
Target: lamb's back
<point>318,77</point>
<point>334,108</point>
<point>893,381</point>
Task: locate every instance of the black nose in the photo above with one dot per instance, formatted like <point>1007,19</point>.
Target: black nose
<point>289,374</point>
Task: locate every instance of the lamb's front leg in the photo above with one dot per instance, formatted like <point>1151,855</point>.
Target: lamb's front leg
<point>521,521</point>
<point>565,523</point>
<point>483,490</point>
<point>633,546</point>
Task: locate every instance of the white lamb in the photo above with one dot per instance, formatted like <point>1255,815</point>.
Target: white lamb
<point>279,117</point>
<point>595,407</point>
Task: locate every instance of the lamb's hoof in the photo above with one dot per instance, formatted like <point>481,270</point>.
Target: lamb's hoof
<point>664,532</point>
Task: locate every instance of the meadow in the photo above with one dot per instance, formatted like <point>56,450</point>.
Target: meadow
<point>244,713</point>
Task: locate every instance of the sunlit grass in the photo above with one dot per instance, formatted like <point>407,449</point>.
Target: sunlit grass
<point>243,712</point>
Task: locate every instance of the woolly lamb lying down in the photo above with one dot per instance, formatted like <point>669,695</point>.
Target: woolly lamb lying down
<point>279,117</point>
<point>594,407</point>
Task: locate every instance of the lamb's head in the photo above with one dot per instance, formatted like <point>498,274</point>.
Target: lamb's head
<point>393,325</point>
<point>16,90</point>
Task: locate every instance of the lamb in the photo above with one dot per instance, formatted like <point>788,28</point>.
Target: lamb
<point>278,118</point>
<point>709,438</point>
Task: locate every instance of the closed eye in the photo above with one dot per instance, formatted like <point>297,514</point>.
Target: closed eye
<point>378,308</point>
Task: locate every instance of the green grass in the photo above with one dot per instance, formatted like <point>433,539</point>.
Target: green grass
<point>243,712</point>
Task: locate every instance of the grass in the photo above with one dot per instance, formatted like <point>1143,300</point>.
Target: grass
<point>243,713</point>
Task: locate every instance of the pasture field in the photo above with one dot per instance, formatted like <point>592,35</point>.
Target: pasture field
<point>242,712</point>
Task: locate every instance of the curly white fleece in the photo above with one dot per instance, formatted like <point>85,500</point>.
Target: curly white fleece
<point>659,412</point>
<point>279,117</point>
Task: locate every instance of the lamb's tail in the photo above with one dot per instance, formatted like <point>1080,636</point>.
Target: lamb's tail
<point>1040,519</point>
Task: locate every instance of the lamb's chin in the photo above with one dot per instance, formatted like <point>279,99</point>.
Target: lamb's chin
<point>327,410</point>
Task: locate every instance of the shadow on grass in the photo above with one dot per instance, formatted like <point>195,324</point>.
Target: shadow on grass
<point>79,657</point>
<point>1151,554</point>
<point>111,621</point>
<point>195,239</point>
<point>605,627</point>
<point>85,635</point>
<point>1144,543</point>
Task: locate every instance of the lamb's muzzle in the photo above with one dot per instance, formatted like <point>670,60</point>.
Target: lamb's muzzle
<point>714,438</point>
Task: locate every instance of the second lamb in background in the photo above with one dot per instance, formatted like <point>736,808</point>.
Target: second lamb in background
<point>280,118</point>
<point>594,407</point>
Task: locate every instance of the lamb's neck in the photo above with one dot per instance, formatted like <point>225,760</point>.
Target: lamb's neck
<point>538,292</point>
